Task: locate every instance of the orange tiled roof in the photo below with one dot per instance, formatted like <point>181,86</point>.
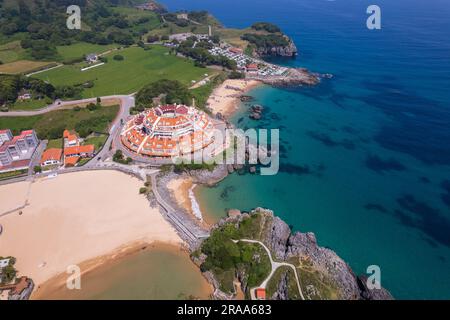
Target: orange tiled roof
<point>260,293</point>
<point>71,161</point>
<point>51,154</point>
<point>72,137</point>
<point>79,149</point>
<point>66,133</point>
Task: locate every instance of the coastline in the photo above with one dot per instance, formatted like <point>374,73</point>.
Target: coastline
<point>226,97</point>
<point>80,228</point>
<point>184,193</point>
<point>55,287</point>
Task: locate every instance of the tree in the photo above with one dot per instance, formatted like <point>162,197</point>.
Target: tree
<point>152,38</point>
<point>37,169</point>
<point>118,57</point>
<point>174,91</point>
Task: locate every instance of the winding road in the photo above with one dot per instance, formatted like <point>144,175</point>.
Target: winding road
<point>275,265</point>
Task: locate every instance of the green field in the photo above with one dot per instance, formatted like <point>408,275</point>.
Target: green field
<point>97,141</point>
<point>139,68</point>
<point>13,51</point>
<point>55,143</point>
<point>79,49</point>
<point>30,104</point>
<point>52,124</point>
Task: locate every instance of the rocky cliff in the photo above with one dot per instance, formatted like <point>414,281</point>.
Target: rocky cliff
<point>323,274</point>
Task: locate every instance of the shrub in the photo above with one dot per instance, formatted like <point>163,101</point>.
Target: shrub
<point>143,190</point>
<point>118,57</point>
<point>92,106</point>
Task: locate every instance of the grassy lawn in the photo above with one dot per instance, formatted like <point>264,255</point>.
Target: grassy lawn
<point>79,49</point>
<point>139,68</point>
<point>23,66</point>
<point>201,94</point>
<point>52,124</point>
<point>50,167</point>
<point>83,161</point>
<point>55,143</point>
<point>12,174</point>
<point>134,14</point>
<point>97,141</point>
<point>28,105</point>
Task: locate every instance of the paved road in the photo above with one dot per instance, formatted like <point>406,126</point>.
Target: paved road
<point>275,265</point>
<point>56,106</point>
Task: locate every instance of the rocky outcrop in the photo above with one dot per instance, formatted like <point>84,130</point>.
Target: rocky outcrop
<point>286,246</point>
<point>256,112</point>
<point>322,265</point>
<point>372,294</point>
<point>289,50</point>
<point>304,246</point>
<point>209,178</point>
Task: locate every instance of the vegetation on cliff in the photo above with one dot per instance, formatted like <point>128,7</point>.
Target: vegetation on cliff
<point>266,40</point>
<point>227,259</point>
<point>322,274</point>
<point>266,26</point>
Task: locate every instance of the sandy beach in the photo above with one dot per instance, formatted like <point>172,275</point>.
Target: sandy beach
<point>182,189</point>
<point>75,218</point>
<point>225,98</point>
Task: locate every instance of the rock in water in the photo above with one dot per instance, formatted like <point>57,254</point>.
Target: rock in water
<point>233,213</point>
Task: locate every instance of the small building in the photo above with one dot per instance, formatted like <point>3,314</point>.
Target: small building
<point>92,58</point>
<point>51,156</point>
<point>236,50</point>
<point>86,151</point>
<point>260,294</point>
<point>182,16</point>
<point>24,96</point>
<point>70,139</point>
<point>252,67</point>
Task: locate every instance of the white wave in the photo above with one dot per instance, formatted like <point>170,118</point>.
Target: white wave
<point>194,204</point>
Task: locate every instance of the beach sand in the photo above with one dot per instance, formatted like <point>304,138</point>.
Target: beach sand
<point>77,217</point>
<point>225,98</point>
<point>181,188</point>
<point>13,196</point>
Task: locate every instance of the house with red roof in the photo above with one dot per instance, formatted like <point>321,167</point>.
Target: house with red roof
<point>73,154</point>
<point>52,156</point>
<point>260,294</point>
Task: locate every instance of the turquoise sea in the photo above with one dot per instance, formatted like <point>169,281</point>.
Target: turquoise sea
<point>365,156</point>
